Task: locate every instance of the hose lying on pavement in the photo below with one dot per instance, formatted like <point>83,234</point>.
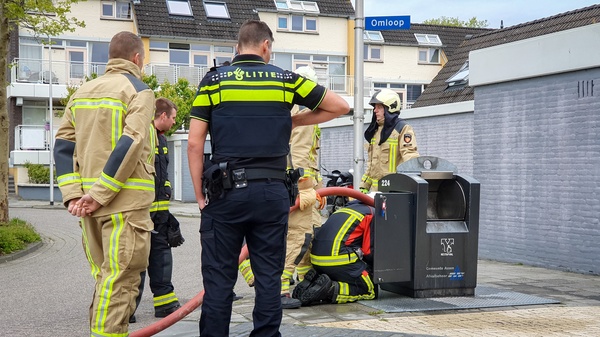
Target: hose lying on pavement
<point>196,301</point>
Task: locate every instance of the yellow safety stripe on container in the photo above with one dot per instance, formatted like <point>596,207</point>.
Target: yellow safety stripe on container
<point>334,260</point>
<point>95,269</point>
<point>165,299</point>
<point>106,287</point>
<point>353,216</point>
<point>131,183</point>
<point>69,178</point>
<point>162,205</point>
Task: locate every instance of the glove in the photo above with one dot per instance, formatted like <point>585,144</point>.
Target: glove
<point>174,237</point>
<point>364,190</point>
<point>322,201</point>
<point>308,197</point>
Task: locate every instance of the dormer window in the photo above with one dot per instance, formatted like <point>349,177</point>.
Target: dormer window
<point>116,10</point>
<point>460,78</point>
<point>297,6</point>
<point>428,39</point>
<point>373,36</point>
<point>216,10</point>
<point>179,7</point>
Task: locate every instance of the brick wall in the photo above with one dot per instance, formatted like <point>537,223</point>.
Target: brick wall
<point>537,156</point>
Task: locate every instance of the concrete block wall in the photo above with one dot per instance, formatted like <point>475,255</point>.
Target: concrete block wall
<point>449,137</point>
<point>537,156</point>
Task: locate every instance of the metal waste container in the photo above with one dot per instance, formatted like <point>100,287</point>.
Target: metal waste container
<point>426,230</point>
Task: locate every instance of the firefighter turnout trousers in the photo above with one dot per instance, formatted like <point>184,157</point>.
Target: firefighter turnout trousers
<point>117,248</point>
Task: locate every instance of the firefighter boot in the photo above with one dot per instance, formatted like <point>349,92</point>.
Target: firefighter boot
<point>301,287</point>
<point>319,290</point>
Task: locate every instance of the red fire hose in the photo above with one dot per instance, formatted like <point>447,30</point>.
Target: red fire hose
<point>196,301</point>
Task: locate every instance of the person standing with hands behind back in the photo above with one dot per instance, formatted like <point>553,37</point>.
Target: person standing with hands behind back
<point>391,140</point>
<point>246,107</point>
<point>166,233</point>
<point>104,153</point>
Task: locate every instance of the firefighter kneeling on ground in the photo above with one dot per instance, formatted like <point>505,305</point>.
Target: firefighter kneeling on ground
<point>342,258</point>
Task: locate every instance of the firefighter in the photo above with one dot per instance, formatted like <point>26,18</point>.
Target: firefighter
<point>391,141</point>
<point>304,147</point>
<point>342,258</point>
<point>166,233</point>
<point>104,152</point>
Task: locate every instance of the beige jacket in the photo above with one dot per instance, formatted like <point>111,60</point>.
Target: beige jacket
<point>383,159</point>
<point>105,143</point>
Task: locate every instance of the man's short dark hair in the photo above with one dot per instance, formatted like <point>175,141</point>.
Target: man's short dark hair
<point>125,45</point>
<point>253,32</point>
<point>164,105</point>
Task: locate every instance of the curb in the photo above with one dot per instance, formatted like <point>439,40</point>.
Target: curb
<point>32,247</point>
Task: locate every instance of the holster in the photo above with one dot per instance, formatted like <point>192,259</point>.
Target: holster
<point>215,180</point>
<point>291,182</point>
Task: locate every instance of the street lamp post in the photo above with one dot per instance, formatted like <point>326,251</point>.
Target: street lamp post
<point>51,124</point>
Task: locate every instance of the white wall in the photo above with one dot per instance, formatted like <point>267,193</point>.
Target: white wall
<point>401,63</point>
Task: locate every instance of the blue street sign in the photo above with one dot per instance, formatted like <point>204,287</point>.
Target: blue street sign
<point>387,22</point>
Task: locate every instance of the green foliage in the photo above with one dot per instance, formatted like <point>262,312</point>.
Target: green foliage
<point>38,173</point>
<point>30,15</point>
<point>182,93</point>
<point>456,22</point>
<point>15,235</point>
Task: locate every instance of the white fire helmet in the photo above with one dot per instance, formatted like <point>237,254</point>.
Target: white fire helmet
<point>387,97</point>
<point>307,72</point>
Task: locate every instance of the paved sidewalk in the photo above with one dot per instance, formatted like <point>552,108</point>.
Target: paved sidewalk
<point>60,260</point>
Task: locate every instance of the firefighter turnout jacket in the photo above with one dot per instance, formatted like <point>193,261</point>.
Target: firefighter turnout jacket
<point>160,207</point>
<point>383,159</point>
<point>105,143</point>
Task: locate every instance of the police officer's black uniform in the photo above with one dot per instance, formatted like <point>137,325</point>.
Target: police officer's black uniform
<point>247,106</point>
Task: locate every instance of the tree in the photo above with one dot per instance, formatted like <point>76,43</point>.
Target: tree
<point>44,18</point>
<point>456,22</point>
<point>182,93</point>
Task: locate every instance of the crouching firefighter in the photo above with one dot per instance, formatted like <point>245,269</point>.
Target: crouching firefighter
<point>342,258</point>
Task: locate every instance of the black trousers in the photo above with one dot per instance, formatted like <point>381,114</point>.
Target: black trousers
<point>258,212</point>
<point>160,266</point>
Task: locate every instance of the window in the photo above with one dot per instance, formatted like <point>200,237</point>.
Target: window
<point>429,55</point>
<point>297,6</point>
<point>179,7</point>
<point>159,45</point>
<point>413,92</point>
<point>216,10</point>
<point>372,52</point>
<point>116,9</point>
<point>461,77</point>
<point>428,39</point>
<point>373,36</point>
<point>297,23</point>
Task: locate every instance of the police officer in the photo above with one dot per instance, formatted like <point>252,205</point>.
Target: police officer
<point>391,141</point>
<point>246,108</point>
<point>342,258</point>
<point>104,152</point>
<point>166,233</point>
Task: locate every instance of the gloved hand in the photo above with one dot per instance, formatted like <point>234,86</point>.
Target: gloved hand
<point>363,190</point>
<point>308,197</point>
<point>322,201</point>
<point>174,237</point>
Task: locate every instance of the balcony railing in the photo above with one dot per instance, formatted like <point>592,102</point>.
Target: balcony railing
<point>32,137</point>
<point>59,72</point>
<point>73,73</point>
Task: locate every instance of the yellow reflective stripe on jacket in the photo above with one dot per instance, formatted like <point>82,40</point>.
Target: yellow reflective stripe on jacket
<point>131,183</point>
<point>333,260</point>
<point>110,182</point>
<point>153,140</point>
<point>315,142</point>
<point>353,216</point>
<point>167,183</point>
<point>118,110</point>
<point>393,154</point>
<point>69,178</point>
<point>106,287</point>
<point>208,98</point>
<point>162,205</point>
